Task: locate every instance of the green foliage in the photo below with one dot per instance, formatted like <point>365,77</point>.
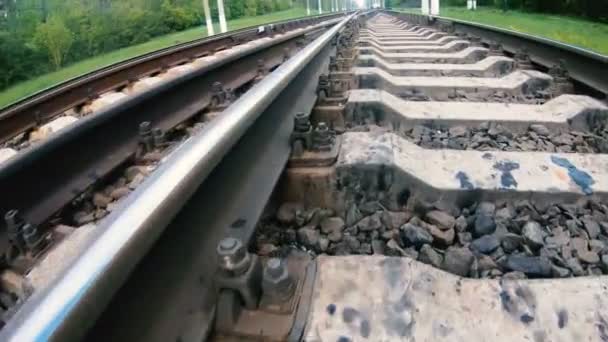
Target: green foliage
<point>251,7</point>
<point>52,33</point>
<point>177,18</point>
<point>55,38</point>
<point>30,60</point>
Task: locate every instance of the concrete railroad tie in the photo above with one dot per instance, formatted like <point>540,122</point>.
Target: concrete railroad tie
<point>452,46</point>
<point>491,175</point>
<point>492,66</point>
<point>466,56</point>
<point>561,114</point>
<point>439,40</point>
<point>386,39</point>
<point>411,301</point>
<point>518,83</point>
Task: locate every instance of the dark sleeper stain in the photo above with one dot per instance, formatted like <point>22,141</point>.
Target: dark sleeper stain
<point>344,339</point>
<point>465,182</point>
<point>506,179</point>
<point>602,328</point>
<point>579,177</point>
<point>349,314</point>
<point>526,319</point>
<point>506,301</point>
<point>331,309</point>
<point>562,318</point>
<point>365,328</point>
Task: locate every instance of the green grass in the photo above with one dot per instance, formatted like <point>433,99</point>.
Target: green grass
<point>32,86</point>
<point>583,33</point>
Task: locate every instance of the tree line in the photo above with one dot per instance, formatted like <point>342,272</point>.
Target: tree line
<point>39,36</point>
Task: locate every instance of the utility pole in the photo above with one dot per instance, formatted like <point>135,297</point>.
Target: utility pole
<point>220,8</point>
<point>320,7</point>
<point>425,7</point>
<point>434,7</point>
<point>208,20</point>
<point>307,7</point>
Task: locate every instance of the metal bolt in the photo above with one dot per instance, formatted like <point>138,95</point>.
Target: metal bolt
<point>495,49</point>
<point>322,139</point>
<point>30,236</point>
<point>232,256</point>
<point>323,79</point>
<point>333,64</point>
<point>277,284</point>
<point>145,136</point>
<point>230,95</point>
<point>159,137</point>
<point>217,87</point>
<point>475,41</point>
<point>218,94</point>
<point>274,267</point>
<point>523,60</point>
<point>561,79</point>
<point>14,224</point>
<point>301,122</point>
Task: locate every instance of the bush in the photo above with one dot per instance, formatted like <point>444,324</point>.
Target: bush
<point>177,18</point>
<point>18,61</point>
<point>54,38</point>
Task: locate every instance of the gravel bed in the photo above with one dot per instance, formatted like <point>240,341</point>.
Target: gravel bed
<point>493,137</point>
<point>484,240</point>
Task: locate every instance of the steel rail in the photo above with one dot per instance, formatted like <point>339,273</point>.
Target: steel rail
<point>77,156</point>
<point>584,66</point>
<point>69,306</point>
<point>42,106</point>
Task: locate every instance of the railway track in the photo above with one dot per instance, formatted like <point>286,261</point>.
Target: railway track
<point>387,177</point>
